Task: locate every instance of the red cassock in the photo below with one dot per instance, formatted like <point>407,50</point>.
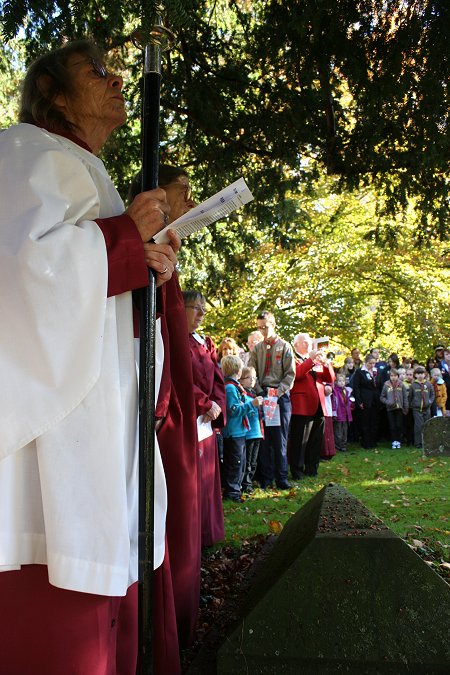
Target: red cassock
<point>328,446</point>
<point>176,582</point>
<point>209,386</point>
<point>177,439</point>
<point>68,631</point>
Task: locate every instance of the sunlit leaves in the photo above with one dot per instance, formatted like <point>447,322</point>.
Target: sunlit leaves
<point>334,279</point>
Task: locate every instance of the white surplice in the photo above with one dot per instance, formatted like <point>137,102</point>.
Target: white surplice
<point>68,382</point>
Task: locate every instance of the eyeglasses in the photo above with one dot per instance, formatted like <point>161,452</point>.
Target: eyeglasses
<point>98,67</point>
<point>183,188</point>
<point>198,308</point>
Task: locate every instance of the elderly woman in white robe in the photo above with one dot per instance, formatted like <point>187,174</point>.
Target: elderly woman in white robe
<point>70,255</point>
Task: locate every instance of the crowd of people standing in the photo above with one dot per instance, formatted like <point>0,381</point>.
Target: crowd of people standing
<point>320,409</point>
<point>405,394</point>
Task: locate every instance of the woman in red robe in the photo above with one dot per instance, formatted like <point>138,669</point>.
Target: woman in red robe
<point>210,404</point>
<point>177,581</point>
<point>68,592</point>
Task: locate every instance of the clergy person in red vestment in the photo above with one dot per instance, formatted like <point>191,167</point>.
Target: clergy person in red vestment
<point>210,401</point>
<point>177,581</point>
<point>70,257</point>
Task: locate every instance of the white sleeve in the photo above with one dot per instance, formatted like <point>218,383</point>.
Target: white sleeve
<point>53,276</point>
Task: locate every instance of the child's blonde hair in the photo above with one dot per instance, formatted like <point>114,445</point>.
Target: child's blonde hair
<point>231,365</point>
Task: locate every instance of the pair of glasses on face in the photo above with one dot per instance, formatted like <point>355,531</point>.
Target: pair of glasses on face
<point>186,189</point>
<point>97,67</point>
<point>197,308</point>
<point>187,194</point>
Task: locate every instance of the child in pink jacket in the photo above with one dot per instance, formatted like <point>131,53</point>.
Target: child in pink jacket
<point>342,403</point>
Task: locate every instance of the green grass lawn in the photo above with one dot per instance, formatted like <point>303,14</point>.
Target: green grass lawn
<point>408,491</point>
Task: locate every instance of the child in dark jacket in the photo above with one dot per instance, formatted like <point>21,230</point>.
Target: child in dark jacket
<point>394,395</point>
<point>239,410</point>
<point>341,401</point>
<point>420,398</point>
<point>254,433</point>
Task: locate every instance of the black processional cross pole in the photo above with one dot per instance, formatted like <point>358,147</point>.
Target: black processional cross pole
<point>157,40</point>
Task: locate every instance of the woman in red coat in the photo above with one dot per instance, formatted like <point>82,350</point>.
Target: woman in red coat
<point>210,403</point>
<point>306,427</point>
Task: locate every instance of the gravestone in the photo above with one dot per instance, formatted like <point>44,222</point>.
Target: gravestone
<point>338,593</point>
<point>436,436</point>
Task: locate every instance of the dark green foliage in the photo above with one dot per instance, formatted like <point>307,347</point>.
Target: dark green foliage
<point>360,87</point>
<point>284,93</point>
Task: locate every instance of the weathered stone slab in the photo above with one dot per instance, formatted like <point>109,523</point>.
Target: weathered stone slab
<point>338,593</point>
<point>436,436</point>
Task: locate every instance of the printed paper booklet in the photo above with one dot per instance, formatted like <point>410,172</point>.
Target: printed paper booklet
<point>218,206</point>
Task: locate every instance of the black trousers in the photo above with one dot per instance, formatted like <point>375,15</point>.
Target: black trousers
<point>369,426</point>
<point>305,443</point>
<point>251,452</point>
<point>272,458</point>
<point>233,466</point>
<point>395,419</point>
<point>408,428</point>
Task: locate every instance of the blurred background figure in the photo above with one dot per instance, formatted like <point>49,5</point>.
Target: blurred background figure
<point>228,347</point>
<point>252,340</point>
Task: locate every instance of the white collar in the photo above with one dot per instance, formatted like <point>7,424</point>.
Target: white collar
<point>199,338</point>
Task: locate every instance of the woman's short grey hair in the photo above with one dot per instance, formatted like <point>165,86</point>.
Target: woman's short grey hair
<point>193,296</point>
<point>255,333</point>
<point>304,336</point>
<point>48,77</point>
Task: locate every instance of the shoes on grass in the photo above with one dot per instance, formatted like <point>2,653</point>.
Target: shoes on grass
<point>284,486</point>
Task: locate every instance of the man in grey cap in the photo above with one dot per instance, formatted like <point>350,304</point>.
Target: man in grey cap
<point>439,353</point>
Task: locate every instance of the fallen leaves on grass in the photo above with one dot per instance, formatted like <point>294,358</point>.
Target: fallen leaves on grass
<point>432,555</point>
<point>222,573</point>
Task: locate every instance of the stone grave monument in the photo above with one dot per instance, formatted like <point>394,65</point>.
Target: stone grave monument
<point>338,593</point>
